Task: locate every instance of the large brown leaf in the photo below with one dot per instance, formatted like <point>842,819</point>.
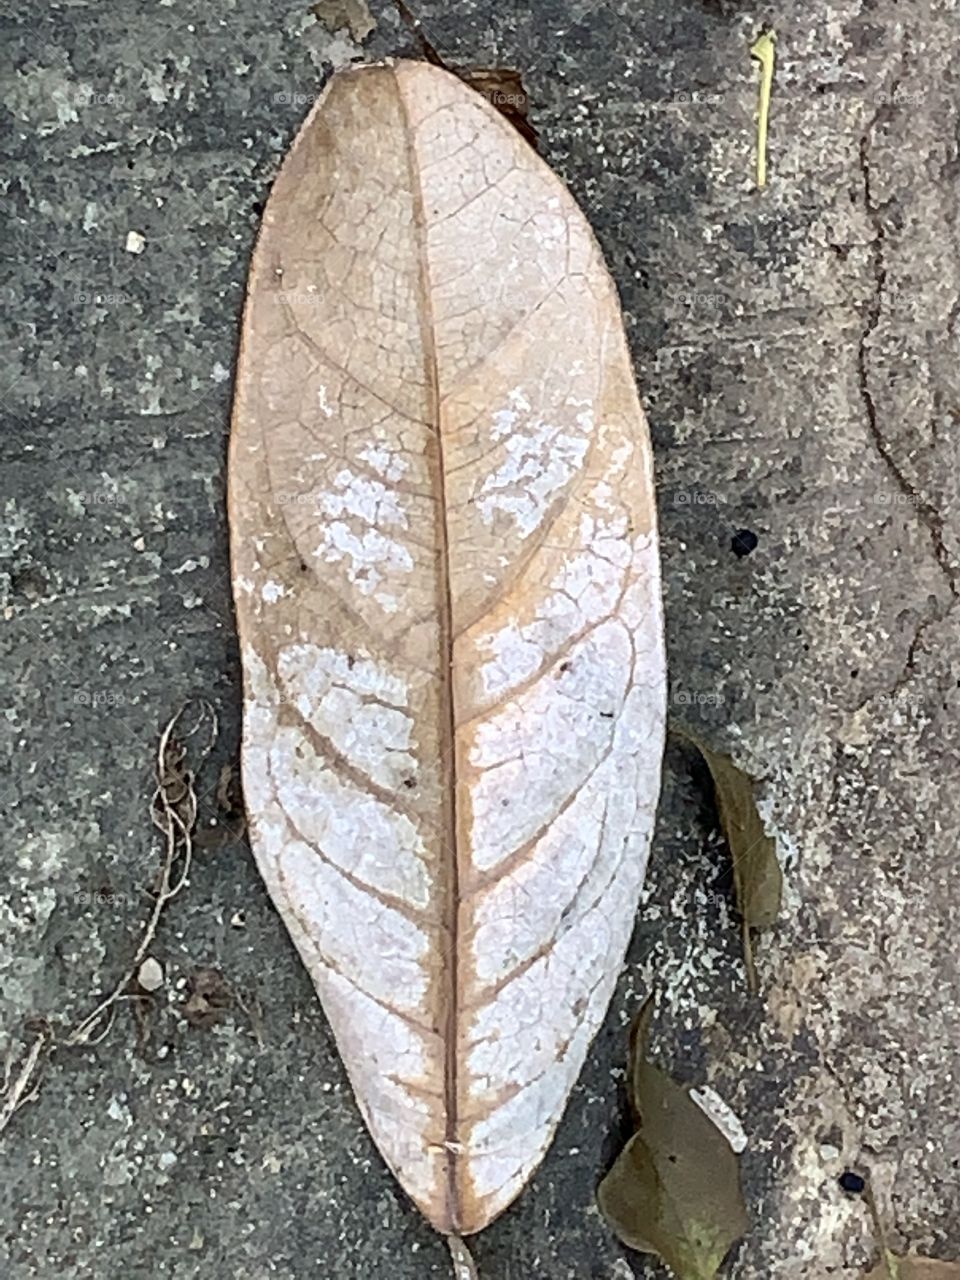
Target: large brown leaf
<point>447,589</point>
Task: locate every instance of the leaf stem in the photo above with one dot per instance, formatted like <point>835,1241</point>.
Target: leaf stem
<point>464,1267</point>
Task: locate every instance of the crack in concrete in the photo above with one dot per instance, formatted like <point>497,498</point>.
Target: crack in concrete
<point>927,513</point>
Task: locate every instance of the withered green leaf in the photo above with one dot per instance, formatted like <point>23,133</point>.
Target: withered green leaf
<point>755,867</point>
<point>675,1189</point>
<point>756,871</point>
<point>914,1268</point>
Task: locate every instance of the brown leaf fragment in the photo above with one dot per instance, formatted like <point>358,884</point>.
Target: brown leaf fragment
<point>345,15</point>
<point>229,824</point>
<point>675,1189</point>
<point>912,1267</point>
<point>209,997</point>
<point>503,88</point>
<point>756,870</point>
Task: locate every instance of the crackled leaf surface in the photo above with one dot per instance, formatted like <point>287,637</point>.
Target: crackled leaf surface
<point>447,591</point>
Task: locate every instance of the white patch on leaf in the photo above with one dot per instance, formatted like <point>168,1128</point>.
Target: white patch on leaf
<point>539,462</point>
<point>390,464</point>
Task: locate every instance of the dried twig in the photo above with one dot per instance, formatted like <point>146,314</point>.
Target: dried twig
<point>174,811</point>
<point>19,1089</point>
<point>416,26</point>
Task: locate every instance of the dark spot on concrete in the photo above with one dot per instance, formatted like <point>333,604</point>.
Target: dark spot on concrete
<point>742,236</point>
<point>743,542</point>
<point>29,582</point>
<point>851,1182</point>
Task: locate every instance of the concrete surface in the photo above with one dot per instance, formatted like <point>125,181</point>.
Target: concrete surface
<point>798,353</point>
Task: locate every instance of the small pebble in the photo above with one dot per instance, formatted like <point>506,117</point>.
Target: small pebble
<point>136,243</point>
<point>150,975</point>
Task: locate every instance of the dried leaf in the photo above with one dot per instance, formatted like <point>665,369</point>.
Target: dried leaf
<point>756,868</point>
<point>229,823</point>
<point>447,588</point>
<point>675,1189</point>
<point>345,15</point>
<point>914,1268</point>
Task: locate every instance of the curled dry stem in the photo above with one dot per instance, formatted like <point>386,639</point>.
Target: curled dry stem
<point>173,810</point>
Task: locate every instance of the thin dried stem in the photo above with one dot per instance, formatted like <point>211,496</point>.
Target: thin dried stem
<point>464,1267</point>
<point>17,1089</point>
<point>173,810</point>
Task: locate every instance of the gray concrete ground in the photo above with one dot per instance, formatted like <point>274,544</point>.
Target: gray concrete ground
<point>798,353</point>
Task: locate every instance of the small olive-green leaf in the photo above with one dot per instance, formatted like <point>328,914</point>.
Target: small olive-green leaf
<point>756,870</point>
<point>637,1054</point>
<point>675,1190</point>
<point>914,1268</point>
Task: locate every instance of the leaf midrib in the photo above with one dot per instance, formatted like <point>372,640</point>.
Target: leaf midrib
<point>446,737</point>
